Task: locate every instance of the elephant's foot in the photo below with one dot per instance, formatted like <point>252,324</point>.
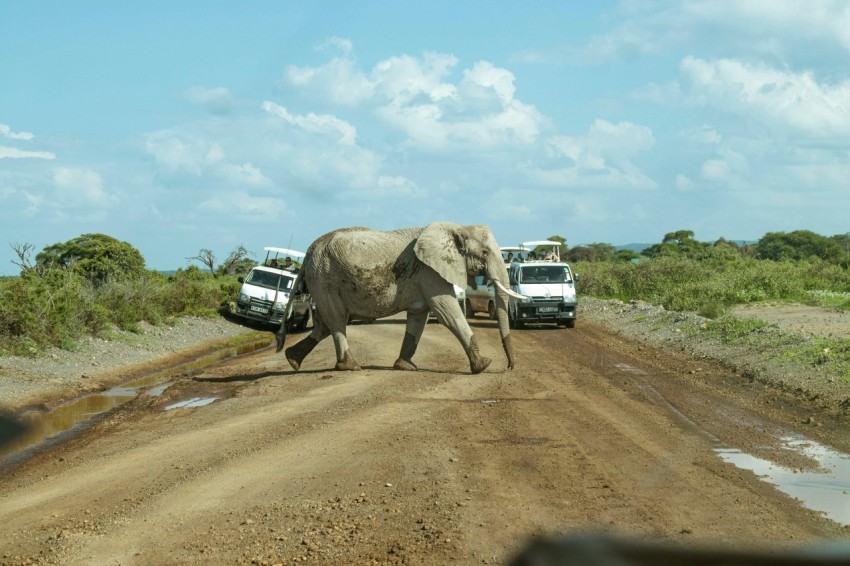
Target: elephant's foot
<point>296,354</point>
<point>477,362</point>
<point>408,348</point>
<point>347,364</point>
<point>406,365</point>
<point>280,339</point>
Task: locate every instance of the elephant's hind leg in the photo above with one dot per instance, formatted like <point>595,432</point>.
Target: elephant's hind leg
<point>296,354</point>
<point>415,325</point>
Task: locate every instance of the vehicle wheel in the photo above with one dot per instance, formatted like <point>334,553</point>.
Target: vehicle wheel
<point>513,322</point>
<point>302,326</point>
<point>467,310</point>
<point>570,323</point>
<point>491,311</point>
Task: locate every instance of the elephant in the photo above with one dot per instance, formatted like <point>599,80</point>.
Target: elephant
<point>369,274</point>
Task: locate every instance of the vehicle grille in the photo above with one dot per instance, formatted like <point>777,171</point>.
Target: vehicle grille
<point>262,303</point>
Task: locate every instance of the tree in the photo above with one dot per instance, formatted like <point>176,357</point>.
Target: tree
<point>799,244</point>
<point>94,256</point>
<point>237,262</point>
<point>206,258</point>
<point>24,253</point>
<point>680,242</point>
<point>596,251</point>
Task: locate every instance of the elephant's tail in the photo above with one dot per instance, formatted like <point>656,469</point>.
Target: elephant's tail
<point>280,335</point>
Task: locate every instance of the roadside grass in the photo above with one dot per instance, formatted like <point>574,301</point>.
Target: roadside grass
<point>57,307</point>
<point>830,356</point>
<point>710,287</point>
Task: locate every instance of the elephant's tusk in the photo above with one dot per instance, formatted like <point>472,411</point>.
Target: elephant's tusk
<point>513,294</point>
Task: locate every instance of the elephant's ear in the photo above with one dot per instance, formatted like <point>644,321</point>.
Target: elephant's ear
<point>439,246</point>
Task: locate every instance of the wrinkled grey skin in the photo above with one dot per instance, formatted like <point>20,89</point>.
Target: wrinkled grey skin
<point>368,274</point>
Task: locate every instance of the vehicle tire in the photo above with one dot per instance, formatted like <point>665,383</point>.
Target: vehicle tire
<point>467,310</point>
<point>570,323</point>
<point>513,322</point>
<point>302,325</point>
<point>491,311</point>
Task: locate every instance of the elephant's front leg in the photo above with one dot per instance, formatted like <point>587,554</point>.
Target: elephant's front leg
<point>415,325</point>
<point>448,312</point>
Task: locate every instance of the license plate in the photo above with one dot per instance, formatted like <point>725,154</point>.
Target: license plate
<point>548,309</point>
<point>263,310</point>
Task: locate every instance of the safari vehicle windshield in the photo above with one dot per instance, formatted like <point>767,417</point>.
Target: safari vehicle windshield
<point>546,274</point>
<point>268,280</point>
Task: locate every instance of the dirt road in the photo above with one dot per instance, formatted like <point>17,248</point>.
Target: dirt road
<point>589,433</point>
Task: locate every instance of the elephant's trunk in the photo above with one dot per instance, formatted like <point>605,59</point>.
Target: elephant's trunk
<point>499,275</point>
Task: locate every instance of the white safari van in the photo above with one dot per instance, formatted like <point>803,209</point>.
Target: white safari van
<point>267,287</point>
<point>548,284</point>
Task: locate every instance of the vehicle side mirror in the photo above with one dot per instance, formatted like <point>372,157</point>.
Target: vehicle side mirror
<point>575,277</point>
<point>240,279</point>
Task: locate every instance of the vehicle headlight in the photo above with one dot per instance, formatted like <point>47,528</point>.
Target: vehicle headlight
<point>244,298</point>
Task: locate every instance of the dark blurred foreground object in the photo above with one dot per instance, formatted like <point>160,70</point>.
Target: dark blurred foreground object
<point>10,429</point>
<point>599,550</point>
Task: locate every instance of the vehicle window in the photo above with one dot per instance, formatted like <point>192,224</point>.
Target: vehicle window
<point>546,274</point>
<point>268,280</point>
<point>479,280</point>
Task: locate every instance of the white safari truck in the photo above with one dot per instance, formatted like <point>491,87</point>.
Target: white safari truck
<point>266,289</point>
<point>548,284</point>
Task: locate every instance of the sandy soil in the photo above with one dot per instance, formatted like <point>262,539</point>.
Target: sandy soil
<point>593,432</point>
<point>815,321</point>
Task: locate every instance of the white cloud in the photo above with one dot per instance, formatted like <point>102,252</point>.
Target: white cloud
<point>7,132</point>
<point>245,174</point>
<point>414,96</point>
<point>345,133</point>
<point>15,153</point>
<point>703,135</point>
<point>215,100</point>
<point>245,205</point>
<point>780,29</point>
<point>715,170</point>
<point>777,99</point>
<point>335,42</point>
<point>684,183</point>
<point>602,159</point>
<point>177,151</point>
<point>80,185</point>
<point>339,80</point>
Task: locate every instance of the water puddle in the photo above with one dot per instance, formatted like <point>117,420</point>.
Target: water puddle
<point>193,402</point>
<point>826,489</point>
<point>46,428</point>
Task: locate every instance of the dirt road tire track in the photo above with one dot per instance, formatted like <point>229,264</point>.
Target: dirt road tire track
<point>426,467</point>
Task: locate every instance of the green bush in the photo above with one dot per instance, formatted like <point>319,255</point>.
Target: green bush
<point>713,282</point>
<point>57,306</point>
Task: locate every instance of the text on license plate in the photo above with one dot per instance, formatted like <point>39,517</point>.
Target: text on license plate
<point>259,309</point>
<point>548,309</point>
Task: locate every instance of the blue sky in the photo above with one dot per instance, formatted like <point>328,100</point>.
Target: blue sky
<point>177,126</point>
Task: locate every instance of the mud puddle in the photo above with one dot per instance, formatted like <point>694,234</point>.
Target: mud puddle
<point>44,429</point>
<point>825,488</point>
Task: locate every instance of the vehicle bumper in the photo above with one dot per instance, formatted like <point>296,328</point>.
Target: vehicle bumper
<point>273,317</point>
<point>533,312</point>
